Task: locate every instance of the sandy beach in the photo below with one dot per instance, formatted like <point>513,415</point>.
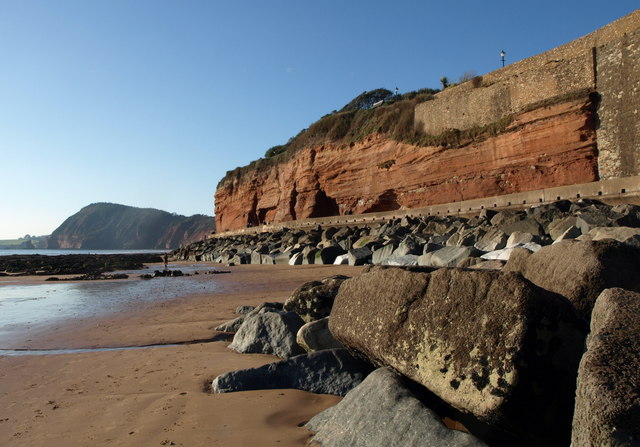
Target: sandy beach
<point>154,396</point>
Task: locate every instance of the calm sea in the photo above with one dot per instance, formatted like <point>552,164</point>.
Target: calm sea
<point>43,251</point>
<point>23,306</point>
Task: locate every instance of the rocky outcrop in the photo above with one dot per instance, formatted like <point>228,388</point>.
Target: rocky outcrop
<point>269,333</point>
<point>489,343</point>
<point>313,300</point>
<point>580,270</point>
<point>549,146</point>
<point>608,396</point>
<point>382,412</point>
<point>316,336</point>
<point>117,227</point>
<point>332,371</point>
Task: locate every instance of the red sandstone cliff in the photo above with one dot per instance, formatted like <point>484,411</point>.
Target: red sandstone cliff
<point>549,146</point>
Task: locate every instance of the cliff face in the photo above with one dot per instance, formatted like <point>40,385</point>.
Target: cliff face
<point>549,146</point>
<point>113,226</point>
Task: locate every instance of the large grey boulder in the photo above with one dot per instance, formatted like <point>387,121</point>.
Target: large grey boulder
<point>607,411</point>
<point>269,333</point>
<point>383,253</point>
<point>466,237</point>
<point>382,412</point>
<point>447,256</point>
<point>509,222</point>
<point>570,233</point>
<point>246,311</point>
<point>328,254</point>
<point>559,225</point>
<point>296,259</point>
<point>332,371</point>
<point>589,220</point>
<point>580,270</point>
<point>313,300</point>
<point>494,239</point>
<point>309,255</point>
<point>621,234</point>
<point>316,336</point>
<point>401,260</point>
<point>504,254</point>
<point>409,246</point>
<point>487,342</point>
<point>359,256</point>
<point>518,238</point>
<point>232,325</point>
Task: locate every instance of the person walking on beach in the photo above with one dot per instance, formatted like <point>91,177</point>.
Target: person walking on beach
<point>166,261</point>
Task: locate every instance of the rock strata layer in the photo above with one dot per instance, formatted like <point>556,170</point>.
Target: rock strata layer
<point>488,343</point>
<point>549,146</point>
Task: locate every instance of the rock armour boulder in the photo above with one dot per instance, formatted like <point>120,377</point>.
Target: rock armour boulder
<point>313,300</point>
<point>382,412</point>
<point>332,371</point>
<point>580,270</point>
<point>269,333</point>
<point>316,336</point>
<point>489,343</point>
<point>607,409</point>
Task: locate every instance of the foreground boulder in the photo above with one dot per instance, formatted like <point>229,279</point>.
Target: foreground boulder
<point>269,333</point>
<point>489,343</point>
<point>580,270</point>
<point>316,336</point>
<point>245,312</point>
<point>332,371</point>
<point>313,300</point>
<point>382,412</point>
<point>608,395</point>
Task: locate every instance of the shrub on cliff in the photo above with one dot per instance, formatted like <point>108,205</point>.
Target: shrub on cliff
<point>275,150</point>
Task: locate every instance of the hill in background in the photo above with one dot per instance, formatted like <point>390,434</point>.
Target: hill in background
<point>110,226</point>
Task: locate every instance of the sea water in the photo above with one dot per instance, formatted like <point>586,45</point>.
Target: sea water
<point>26,305</point>
<point>52,252</point>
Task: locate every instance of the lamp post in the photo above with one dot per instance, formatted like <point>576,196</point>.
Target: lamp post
<point>502,54</point>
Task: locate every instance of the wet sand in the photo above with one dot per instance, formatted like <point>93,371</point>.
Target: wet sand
<point>155,396</point>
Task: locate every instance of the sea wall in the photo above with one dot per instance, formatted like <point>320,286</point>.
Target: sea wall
<point>606,61</point>
<point>618,82</point>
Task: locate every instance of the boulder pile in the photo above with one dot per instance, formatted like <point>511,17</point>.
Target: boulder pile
<point>529,338</point>
<point>435,241</point>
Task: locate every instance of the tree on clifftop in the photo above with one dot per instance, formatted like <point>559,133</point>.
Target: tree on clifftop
<point>367,99</point>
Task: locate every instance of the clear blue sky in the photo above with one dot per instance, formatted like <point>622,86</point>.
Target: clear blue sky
<point>149,102</point>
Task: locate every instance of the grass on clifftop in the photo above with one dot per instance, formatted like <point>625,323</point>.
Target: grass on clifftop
<point>393,118</point>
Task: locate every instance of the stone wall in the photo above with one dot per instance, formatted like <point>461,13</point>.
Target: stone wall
<point>618,82</point>
<point>606,61</point>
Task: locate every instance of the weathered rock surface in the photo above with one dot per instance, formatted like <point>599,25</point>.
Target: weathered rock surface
<point>382,412</point>
<point>313,300</point>
<point>447,256</point>
<point>607,409</point>
<point>487,342</point>
<point>232,325</point>
<point>269,333</point>
<point>580,270</point>
<point>332,371</point>
<point>316,336</point>
<point>620,234</point>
